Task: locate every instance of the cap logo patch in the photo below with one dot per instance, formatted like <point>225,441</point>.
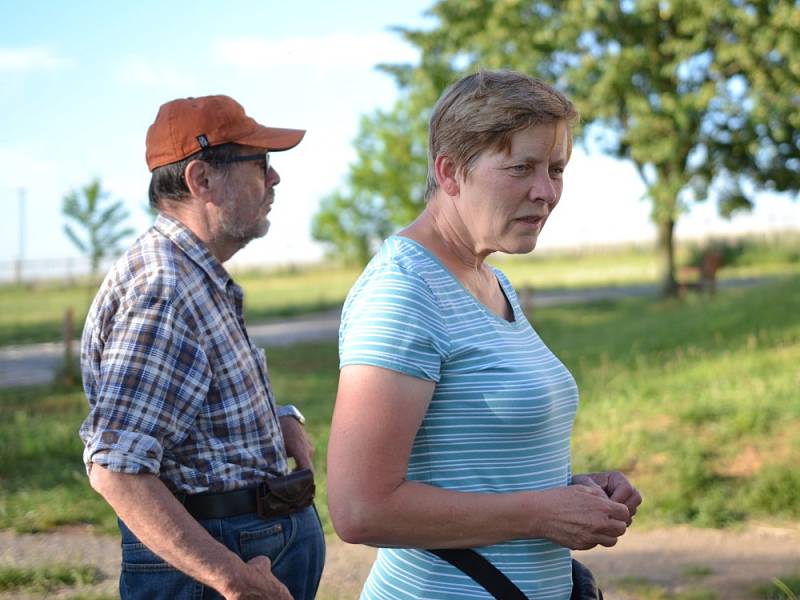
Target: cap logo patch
<point>203,141</point>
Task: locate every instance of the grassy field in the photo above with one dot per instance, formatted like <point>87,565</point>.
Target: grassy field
<point>696,399</point>
<point>35,313</point>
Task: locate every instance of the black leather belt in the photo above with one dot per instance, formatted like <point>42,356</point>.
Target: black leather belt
<point>221,505</point>
<point>275,497</point>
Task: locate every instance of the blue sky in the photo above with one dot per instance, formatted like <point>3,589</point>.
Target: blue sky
<point>80,82</point>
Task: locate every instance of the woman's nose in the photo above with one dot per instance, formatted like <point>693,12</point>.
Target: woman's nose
<point>543,189</point>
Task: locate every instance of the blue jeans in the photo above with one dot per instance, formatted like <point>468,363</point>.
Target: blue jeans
<point>295,544</point>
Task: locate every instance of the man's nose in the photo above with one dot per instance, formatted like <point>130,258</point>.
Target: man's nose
<point>273,178</point>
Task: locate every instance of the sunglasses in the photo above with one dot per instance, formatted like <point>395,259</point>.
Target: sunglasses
<point>248,157</point>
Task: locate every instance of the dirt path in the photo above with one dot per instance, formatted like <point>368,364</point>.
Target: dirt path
<point>675,559</point>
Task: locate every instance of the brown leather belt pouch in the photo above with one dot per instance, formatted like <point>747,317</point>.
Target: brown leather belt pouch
<point>284,495</point>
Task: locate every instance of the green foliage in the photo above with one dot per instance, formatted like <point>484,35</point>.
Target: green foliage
<point>700,96</point>
<point>35,313</point>
<point>644,589</point>
<point>728,251</point>
<point>42,475</point>
<point>697,571</point>
<point>351,227</point>
<point>775,490</point>
<point>783,588</point>
<point>695,400</point>
<point>96,226</point>
<point>744,252</point>
<point>385,187</point>
<point>46,579</point>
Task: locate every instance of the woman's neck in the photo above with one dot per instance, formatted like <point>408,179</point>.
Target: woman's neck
<point>444,234</point>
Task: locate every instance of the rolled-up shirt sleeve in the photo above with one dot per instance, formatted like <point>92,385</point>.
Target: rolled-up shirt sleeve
<point>151,378</point>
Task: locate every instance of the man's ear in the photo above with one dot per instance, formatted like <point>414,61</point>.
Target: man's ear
<point>445,171</point>
<point>199,179</point>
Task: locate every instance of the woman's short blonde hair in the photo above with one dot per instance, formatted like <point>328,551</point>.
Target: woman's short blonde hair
<point>484,110</point>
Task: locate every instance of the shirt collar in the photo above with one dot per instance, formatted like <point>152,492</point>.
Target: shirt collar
<point>183,237</point>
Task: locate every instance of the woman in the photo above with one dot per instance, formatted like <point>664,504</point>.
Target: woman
<point>453,420</point>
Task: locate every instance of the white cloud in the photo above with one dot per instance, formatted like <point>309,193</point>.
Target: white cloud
<point>34,58</point>
<point>141,73</point>
<point>333,50</point>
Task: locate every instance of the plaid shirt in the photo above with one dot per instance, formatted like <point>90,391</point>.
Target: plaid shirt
<point>175,387</point>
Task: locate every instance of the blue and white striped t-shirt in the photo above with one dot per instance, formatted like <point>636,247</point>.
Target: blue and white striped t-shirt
<point>500,418</point>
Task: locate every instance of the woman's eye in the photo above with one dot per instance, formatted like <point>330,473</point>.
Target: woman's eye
<point>518,168</point>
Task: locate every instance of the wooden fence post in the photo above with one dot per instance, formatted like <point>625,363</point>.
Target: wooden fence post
<point>69,358</point>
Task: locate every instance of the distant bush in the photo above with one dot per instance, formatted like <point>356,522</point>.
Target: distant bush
<point>751,252</point>
<point>775,490</point>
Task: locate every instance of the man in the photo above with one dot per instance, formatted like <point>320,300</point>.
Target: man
<point>183,437</point>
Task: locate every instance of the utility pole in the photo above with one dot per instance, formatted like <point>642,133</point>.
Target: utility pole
<point>21,254</point>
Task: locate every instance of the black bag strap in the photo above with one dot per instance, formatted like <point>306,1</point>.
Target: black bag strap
<point>482,571</point>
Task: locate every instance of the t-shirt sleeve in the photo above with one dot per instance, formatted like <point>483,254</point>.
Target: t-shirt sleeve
<point>153,379</point>
<point>392,320</point>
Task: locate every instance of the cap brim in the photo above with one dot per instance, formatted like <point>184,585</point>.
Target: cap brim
<point>273,139</point>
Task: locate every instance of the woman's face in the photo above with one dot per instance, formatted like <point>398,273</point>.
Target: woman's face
<point>507,197</point>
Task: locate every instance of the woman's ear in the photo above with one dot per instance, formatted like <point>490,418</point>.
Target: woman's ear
<point>445,171</point>
<point>199,179</point>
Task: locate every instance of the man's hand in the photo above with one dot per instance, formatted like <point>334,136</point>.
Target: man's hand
<point>257,582</point>
<point>580,517</point>
<point>298,446</point>
<point>150,510</point>
<point>615,485</point>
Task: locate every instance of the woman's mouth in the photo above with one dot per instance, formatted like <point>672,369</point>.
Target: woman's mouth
<point>532,220</point>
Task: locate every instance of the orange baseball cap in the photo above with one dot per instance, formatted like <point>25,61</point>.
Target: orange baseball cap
<point>188,125</point>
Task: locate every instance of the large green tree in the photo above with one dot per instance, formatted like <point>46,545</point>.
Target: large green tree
<point>95,223</point>
<point>702,97</point>
<point>385,185</point>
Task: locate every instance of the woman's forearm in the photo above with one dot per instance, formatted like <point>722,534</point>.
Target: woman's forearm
<point>423,516</point>
<point>416,515</point>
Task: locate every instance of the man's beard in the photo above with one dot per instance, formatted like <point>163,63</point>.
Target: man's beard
<point>236,229</point>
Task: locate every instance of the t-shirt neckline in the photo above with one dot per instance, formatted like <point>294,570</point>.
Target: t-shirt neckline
<point>513,323</point>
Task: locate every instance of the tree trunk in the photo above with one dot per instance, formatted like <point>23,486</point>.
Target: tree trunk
<point>666,252</point>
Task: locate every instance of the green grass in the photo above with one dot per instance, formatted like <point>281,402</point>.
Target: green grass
<point>644,589</point>
<point>42,477</point>
<point>307,376</point>
<point>697,571</point>
<point>631,264</point>
<point>782,588</point>
<point>286,293</point>
<point>45,579</point>
<point>696,400</point>
<point>35,313</point>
